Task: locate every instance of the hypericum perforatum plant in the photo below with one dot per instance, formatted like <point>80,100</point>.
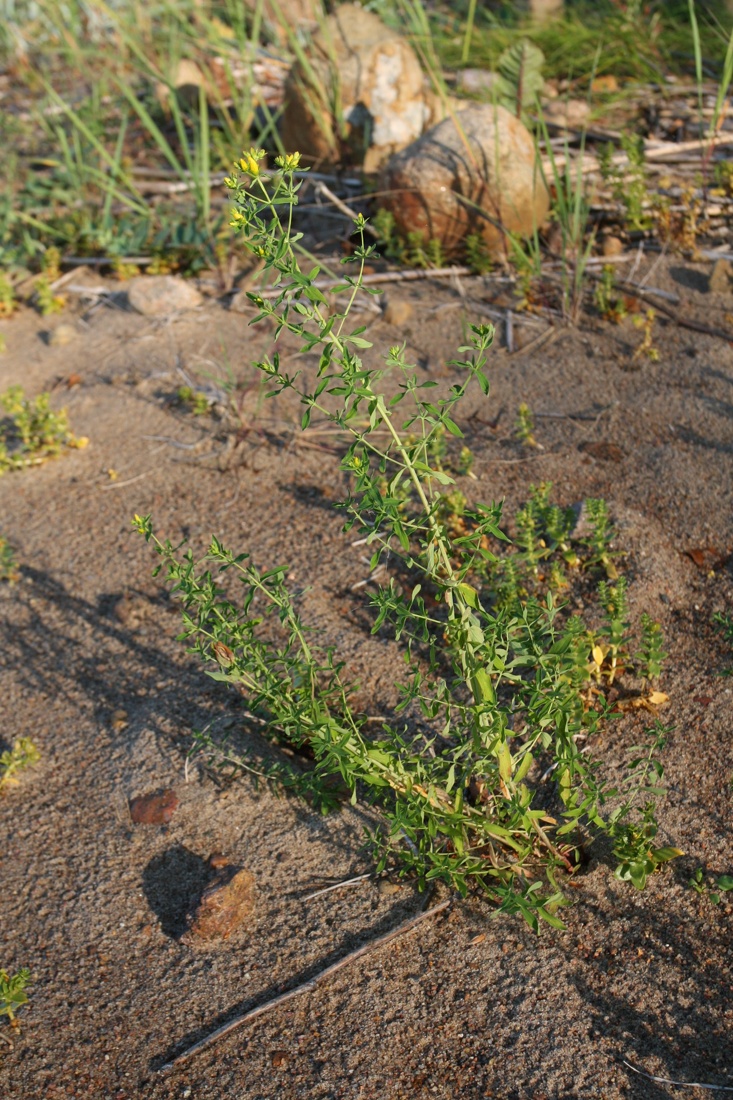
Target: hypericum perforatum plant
<point>493,690</point>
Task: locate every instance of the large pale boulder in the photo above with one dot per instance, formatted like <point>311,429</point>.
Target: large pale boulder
<point>476,172</point>
<point>361,93</point>
<point>284,18</point>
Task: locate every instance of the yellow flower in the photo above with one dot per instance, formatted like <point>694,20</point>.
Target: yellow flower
<point>250,162</point>
<point>289,162</point>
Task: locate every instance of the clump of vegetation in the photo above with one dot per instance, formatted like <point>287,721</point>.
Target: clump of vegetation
<point>647,348</point>
<point>33,432</point>
<point>711,886</point>
<point>724,624</point>
<point>8,563</point>
<point>628,182</point>
<point>22,755</point>
<point>478,257</point>
<point>413,250</point>
<point>12,993</point>
<point>678,226</point>
<point>608,301</point>
<point>651,655</point>
<point>520,81</point>
<point>193,400</point>
<point>524,426</point>
<point>499,690</point>
<point>8,303</point>
<point>45,299</point>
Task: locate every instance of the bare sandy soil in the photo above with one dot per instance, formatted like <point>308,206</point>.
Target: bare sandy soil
<point>465,1006</point>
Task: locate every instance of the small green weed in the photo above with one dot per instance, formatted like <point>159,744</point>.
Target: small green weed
<point>608,301</point>
<point>12,993</point>
<point>22,755</point>
<point>711,886</point>
<point>651,655</point>
<point>46,301</point>
<point>524,426</point>
<point>8,563</point>
<point>724,624</point>
<point>35,433</point>
<point>195,402</point>
<point>520,77</point>
<point>8,303</point>
<point>600,540</point>
<point>412,250</point>
<point>723,175</point>
<point>628,182</point>
<point>637,857</point>
<point>478,257</point>
<point>647,348</point>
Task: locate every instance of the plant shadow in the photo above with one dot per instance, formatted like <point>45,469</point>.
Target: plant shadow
<point>671,1022</point>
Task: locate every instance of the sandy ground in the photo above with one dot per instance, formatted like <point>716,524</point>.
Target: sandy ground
<point>466,1005</point>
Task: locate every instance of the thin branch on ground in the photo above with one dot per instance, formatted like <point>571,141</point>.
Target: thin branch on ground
<point>679,1084</point>
<point>306,987</point>
<point>339,885</point>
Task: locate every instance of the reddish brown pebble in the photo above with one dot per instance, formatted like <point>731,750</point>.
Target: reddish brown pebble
<point>226,905</point>
<point>155,808</point>
<point>707,558</point>
<point>279,1058</point>
<point>603,451</point>
<point>217,860</point>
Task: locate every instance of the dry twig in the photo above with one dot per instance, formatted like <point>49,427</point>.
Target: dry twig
<point>679,1084</point>
<point>306,987</point>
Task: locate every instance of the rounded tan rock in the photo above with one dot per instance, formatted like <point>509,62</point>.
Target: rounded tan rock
<point>476,172</point>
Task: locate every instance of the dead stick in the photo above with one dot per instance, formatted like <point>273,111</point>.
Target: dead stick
<point>679,319</point>
<point>322,189</point>
<point>376,277</point>
<point>589,163</point>
<point>679,1084</point>
<point>305,987</point>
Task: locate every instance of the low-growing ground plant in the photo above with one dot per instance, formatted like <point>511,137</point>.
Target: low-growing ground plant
<point>647,348</point>
<point>193,400</point>
<point>8,303</point>
<point>22,755</point>
<point>8,563</point>
<point>524,426</point>
<point>12,993</point>
<point>711,886</point>
<point>32,432</point>
<point>724,624</point>
<point>46,301</point>
<point>483,775</point>
<point>629,183</point>
<point>607,299</point>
